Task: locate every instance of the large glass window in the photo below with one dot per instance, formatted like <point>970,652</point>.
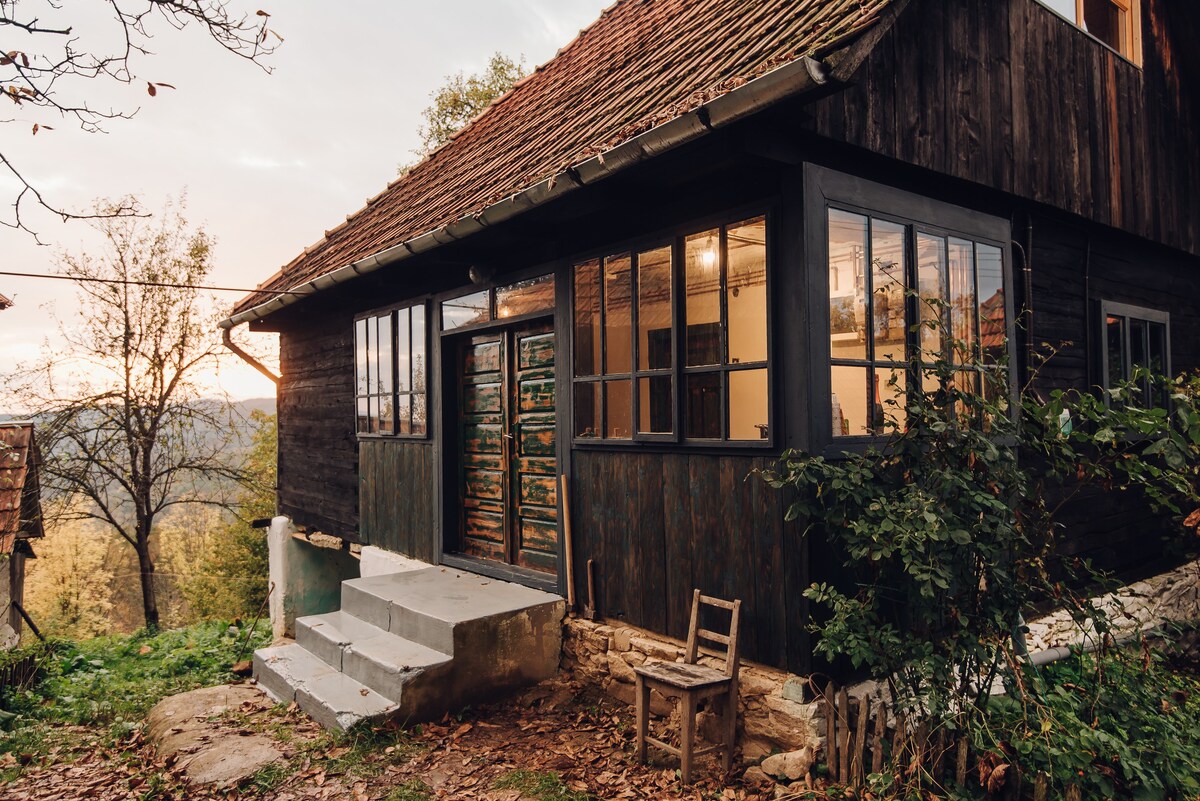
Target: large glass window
<point>390,373</point>
<point>1136,338</point>
<point>898,290</point>
<point>671,341</point>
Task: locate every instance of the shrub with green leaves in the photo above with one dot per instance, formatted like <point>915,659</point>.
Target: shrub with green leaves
<point>948,529</point>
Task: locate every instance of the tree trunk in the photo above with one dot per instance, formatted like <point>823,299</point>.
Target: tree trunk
<point>146,569</point>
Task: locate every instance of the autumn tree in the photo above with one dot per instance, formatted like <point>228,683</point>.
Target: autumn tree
<point>462,97</point>
<point>56,60</point>
<point>125,429</point>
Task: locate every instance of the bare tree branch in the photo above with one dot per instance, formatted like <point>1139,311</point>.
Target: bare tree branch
<point>131,435</point>
<point>51,70</point>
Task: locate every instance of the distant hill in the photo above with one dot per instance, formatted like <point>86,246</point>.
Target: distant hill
<point>247,406</point>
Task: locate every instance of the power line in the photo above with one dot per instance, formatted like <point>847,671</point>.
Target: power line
<point>164,284</point>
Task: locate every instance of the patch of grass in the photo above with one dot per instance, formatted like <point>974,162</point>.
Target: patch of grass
<point>541,786</point>
<point>110,683</point>
<point>117,679</point>
<point>413,790</point>
<point>270,776</point>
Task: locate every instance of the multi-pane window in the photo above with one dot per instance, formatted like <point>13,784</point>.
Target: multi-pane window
<point>898,290</point>
<point>390,371</point>
<point>671,341</point>
<point>531,296</point>
<point>1135,338</point>
<point>1114,22</point>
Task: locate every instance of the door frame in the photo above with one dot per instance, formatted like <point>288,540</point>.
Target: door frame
<point>448,344</point>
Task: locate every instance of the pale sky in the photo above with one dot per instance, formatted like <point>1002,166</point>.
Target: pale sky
<point>268,161</point>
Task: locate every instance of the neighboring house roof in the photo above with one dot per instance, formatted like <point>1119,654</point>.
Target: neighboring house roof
<point>4,303</point>
<point>641,64</point>
<point>20,502</point>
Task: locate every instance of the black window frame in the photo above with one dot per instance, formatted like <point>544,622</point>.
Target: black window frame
<point>676,239</point>
<point>1127,312</point>
<point>422,396</point>
<point>825,189</point>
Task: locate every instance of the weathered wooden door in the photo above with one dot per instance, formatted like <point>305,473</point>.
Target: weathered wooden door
<point>508,485</point>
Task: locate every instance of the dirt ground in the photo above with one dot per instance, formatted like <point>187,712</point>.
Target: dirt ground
<point>557,727</point>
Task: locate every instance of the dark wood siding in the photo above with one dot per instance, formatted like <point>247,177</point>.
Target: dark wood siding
<point>397,497</point>
<point>318,455</point>
<point>660,524</point>
<point>1074,269</point>
<point>1006,94</point>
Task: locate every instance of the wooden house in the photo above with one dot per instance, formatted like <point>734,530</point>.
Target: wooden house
<point>682,246</point>
<point>20,521</point>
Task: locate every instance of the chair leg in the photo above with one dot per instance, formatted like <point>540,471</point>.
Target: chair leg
<point>642,696</point>
<point>731,711</point>
<point>687,738</point>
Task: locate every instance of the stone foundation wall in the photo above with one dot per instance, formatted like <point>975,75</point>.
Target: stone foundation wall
<point>772,714</point>
<point>1173,596</point>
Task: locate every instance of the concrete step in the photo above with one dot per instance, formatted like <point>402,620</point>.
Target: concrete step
<point>437,607</point>
<point>333,699</point>
<point>388,664</point>
<point>415,645</point>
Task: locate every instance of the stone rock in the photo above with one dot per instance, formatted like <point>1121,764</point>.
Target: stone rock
<point>791,766</point>
<point>656,649</point>
<point>189,727</point>
<point>620,670</point>
<point>633,657</point>
<point>756,682</point>
<point>756,775</point>
<point>795,689</point>
<point>621,639</point>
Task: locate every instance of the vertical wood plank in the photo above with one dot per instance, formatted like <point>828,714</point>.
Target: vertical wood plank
<point>652,535</point>
<point>679,542</point>
<point>960,762</point>
<point>831,731</point>
<point>1040,786</point>
<point>844,736</point>
<point>860,741</point>
<point>880,734</point>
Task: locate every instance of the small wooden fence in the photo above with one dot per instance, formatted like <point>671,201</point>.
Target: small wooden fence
<point>863,737</point>
<point>20,673</point>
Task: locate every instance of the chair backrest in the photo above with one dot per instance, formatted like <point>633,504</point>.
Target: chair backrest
<point>729,640</point>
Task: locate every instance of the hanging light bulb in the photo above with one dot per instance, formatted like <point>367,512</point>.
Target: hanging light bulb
<point>708,256</point>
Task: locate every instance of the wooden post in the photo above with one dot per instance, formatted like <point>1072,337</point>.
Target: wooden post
<point>1040,786</point>
<point>860,742</point>
<point>960,767</point>
<point>1073,793</point>
<point>567,544</point>
<point>921,745</point>
<point>880,733</point>
<point>830,732</point>
<point>846,736</point>
<point>898,739</point>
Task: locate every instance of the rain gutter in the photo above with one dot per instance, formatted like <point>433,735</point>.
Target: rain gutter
<point>790,80</point>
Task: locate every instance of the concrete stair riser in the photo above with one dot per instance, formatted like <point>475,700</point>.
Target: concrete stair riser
<point>330,697</point>
<point>415,645</point>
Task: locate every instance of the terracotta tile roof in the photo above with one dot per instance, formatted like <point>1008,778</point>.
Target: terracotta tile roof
<point>643,63</point>
<point>20,509</point>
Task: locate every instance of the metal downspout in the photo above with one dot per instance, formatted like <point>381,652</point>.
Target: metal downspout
<point>227,341</point>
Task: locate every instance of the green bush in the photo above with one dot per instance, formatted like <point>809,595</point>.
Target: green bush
<point>948,529</point>
<point>1120,725</point>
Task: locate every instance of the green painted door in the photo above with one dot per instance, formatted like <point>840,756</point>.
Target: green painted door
<point>507,448</point>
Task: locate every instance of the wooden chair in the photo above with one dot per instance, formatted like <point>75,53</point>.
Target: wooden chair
<point>692,683</point>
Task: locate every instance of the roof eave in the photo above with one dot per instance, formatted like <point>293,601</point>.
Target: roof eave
<point>790,80</point>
